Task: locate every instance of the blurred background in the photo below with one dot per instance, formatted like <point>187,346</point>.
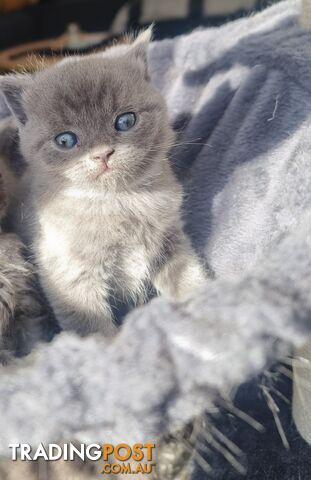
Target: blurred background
<point>57,25</point>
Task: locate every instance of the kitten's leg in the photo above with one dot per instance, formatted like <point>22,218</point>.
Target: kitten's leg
<point>80,305</point>
<point>85,322</point>
<point>179,270</point>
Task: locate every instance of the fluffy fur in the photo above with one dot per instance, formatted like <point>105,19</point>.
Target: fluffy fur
<point>20,310</point>
<point>101,239</point>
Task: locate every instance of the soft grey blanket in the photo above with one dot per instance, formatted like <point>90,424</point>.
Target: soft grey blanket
<point>239,96</point>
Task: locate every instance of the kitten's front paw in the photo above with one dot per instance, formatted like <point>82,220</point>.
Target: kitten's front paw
<point>191,278</point>
<point>85,324</point>
<point>178,280</point>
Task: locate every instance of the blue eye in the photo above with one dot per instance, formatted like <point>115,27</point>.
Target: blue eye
<point>66,140</point>
<point>125,121</point>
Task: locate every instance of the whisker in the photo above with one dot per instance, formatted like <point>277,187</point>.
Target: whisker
<point>191,143</point>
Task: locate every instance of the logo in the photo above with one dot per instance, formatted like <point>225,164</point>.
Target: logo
<point>125,459</point>
<point>117,459</point>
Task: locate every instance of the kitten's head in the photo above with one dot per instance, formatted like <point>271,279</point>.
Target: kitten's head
<point>96,121</point>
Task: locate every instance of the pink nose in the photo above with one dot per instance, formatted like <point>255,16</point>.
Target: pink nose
<point>103,155</point>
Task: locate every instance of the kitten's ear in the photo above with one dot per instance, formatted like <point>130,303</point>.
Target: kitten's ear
<point>12,88</point>
<point>139,49</point>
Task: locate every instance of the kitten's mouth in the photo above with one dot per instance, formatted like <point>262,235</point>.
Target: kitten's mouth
<point>104,170</point>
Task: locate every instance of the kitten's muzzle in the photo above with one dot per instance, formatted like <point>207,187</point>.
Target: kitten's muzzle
<point>103,155</point>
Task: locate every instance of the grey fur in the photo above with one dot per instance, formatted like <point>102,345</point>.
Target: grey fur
<point>248,211</point>
<point>20,309</point>
<point>100,236</point>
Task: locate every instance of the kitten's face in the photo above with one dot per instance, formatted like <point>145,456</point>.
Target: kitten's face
<point>96,121</point>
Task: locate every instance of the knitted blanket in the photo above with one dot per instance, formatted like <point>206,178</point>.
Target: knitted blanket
<point>239,98</point>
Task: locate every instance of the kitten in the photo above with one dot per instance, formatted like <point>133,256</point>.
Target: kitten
<point>104,205</point>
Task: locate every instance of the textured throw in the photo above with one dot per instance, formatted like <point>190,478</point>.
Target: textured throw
<point>306,14</point>
<point>240,99</point>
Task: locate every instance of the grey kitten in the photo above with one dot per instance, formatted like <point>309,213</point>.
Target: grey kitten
<point>104,205</point>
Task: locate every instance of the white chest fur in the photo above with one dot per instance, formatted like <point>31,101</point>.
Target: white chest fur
<point>108,239</point>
